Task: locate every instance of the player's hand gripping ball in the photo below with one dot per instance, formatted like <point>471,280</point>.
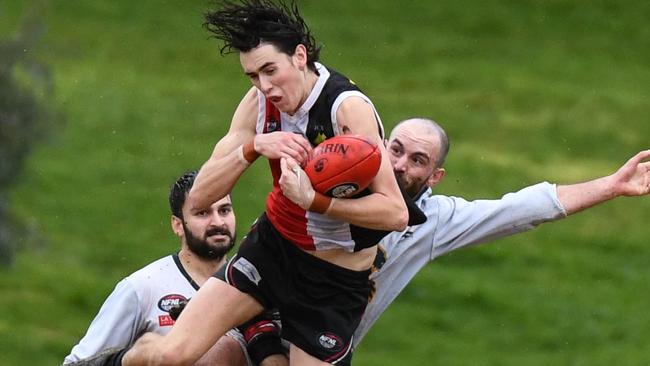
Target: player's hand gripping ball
<point>343,165</point>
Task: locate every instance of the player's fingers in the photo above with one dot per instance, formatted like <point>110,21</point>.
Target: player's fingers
<point>645,167</point>
<point>643,155</point>
<point>296,155</point>
<point>303,146</point>
<point>297,152</point>
<point>284,165</point>
<point>291,165</point>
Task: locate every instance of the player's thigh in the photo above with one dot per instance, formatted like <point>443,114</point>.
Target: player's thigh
<point>298,357</point>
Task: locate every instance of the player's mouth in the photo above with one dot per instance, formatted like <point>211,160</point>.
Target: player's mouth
<point>217,235</point>
<point>275,100</point>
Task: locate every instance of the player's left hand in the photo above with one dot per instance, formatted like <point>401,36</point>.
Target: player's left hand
<point>633,178</point>
<point>295,184</point>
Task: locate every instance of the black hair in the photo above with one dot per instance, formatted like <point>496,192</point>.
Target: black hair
<point>178,192</point>
<point>243,25</point>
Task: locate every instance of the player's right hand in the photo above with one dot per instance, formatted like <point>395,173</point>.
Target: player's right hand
<point>281,144</point>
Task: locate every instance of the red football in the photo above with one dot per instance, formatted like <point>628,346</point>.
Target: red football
<point>343,165</point>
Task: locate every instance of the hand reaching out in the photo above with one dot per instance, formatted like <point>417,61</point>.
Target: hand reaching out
<point>633,178</point>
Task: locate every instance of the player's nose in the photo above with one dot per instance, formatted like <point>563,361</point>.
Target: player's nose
<point>265,85</point>
<point>399,163</point>
<point>216,219</point>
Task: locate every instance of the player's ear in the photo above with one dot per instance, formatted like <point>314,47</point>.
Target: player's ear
<point>177,226</point>
<point>436,176</point>
<point>300,56</point>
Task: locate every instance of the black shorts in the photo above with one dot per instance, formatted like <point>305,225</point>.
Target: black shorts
<point>320,303</point>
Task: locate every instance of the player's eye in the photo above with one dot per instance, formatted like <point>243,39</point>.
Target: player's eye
<point>225,211</point>
<point>395,150</point>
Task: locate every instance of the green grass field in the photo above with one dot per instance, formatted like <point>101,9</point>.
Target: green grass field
<point>527,90</point>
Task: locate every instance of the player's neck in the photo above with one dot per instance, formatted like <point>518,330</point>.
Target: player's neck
<point>310,82</point>
<point>198,268</point>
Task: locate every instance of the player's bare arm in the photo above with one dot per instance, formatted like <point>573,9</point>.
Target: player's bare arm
<point>227,163</point>
<point>631,179</point>
<point>238,149</point>
<point>384,209</point>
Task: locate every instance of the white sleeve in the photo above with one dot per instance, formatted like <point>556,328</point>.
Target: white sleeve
<point>118,324</point>
<point>462,223</point>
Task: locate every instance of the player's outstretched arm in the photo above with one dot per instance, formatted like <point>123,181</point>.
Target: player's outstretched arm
<point>230,157</point>
<point>238,149</point>
<point>631,179</point>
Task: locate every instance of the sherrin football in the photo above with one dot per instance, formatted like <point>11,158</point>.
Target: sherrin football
<point>343,165</point>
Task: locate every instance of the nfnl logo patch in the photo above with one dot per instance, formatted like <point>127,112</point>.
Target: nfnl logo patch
<point>330,341</point>
<point>169,301</point>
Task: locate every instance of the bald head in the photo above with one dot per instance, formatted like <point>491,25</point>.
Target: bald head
<point>426,129</point>
<point>417,149</point>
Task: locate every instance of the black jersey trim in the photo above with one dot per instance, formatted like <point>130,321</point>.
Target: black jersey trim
<point>187,276</point>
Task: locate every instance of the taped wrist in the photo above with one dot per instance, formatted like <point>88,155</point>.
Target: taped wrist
<point>320,204</point>
<point>262,336</point>
<point>247,153</point>
<point>248,150</point>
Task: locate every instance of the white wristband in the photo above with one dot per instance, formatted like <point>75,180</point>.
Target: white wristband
<point>240,155</point>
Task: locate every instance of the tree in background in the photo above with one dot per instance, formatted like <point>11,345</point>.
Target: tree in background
<point>25,119</point>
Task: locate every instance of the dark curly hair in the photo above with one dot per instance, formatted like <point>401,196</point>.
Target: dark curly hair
<point>178,192</point>
<point>243,25</point>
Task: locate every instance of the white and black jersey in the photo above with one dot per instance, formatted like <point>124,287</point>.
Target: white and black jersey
<point>139,303</point>
<point>316,120</point>
<point>452,223</point>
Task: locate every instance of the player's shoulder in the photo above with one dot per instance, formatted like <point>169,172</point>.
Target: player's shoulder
<point>154,269</point>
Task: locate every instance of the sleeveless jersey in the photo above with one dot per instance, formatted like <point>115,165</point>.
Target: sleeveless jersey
<point>316,120</point>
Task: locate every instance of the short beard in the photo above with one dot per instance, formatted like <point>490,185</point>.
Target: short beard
<point>413,189</point>
<point>203,249</point>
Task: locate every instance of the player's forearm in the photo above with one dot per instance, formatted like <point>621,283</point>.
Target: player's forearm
<point>375,211</point>
<point>577,197</point>
<point>216,179</point>
<point>144,351</point>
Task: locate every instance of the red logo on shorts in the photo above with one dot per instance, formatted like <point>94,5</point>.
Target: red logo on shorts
<point>165,320</point>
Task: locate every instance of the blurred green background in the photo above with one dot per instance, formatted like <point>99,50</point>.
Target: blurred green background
<point>528,91</point>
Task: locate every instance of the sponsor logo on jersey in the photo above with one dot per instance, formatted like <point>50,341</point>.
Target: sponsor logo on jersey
<point>165,320</point>
<point>247,269</point>
<point>169,301</point>
<point>330,341</point>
